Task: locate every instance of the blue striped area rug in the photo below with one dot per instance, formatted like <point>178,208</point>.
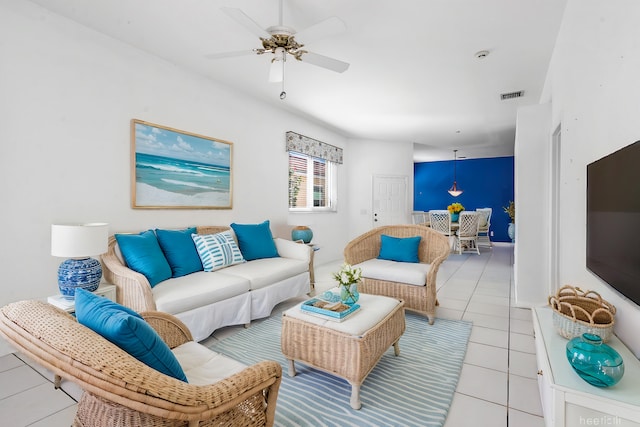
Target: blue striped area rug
<point>413,389</point>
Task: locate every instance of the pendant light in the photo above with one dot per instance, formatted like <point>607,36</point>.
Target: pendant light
<point>454,190</point>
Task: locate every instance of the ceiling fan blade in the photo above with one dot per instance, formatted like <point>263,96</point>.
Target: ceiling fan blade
<point>329,27</point>
<point>325,62</point>
<point>243,19</point>
<point>229,54</point>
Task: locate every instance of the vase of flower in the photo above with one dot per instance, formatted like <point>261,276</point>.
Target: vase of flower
<point>349,294</point>
<point>511,211</point>
<point>455,209</point>
<point>348,278</point>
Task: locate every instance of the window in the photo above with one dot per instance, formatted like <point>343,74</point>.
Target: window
<point>311,183</point>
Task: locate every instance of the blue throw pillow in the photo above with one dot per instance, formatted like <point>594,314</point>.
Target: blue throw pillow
<point>142,253</point>
<point>399,249</point>
<point>128,330</point>
<point>255,240</point>
<point>180,251</point>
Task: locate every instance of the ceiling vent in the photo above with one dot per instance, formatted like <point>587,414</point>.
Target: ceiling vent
<point>511,95</point>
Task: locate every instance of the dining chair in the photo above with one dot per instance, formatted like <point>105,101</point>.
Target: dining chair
<point>467,234</point>
<point>484,223</point>
<point>419,218</point>
<point>440,221</point>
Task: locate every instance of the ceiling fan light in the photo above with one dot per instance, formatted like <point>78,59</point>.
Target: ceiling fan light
<point>276,71</point>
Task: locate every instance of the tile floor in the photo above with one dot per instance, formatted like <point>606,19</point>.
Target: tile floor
<point>497,386</point>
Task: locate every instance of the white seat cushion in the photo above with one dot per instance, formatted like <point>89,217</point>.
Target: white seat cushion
<point>394,271</point>
<point>197,290</point>
<point>203,366</point>
<point>266,271</point>
<point>373,308</point>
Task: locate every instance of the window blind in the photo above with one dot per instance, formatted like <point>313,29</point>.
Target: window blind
<point>314,148</point>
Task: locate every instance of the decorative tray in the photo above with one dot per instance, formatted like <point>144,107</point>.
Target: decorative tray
<point>335,311</point>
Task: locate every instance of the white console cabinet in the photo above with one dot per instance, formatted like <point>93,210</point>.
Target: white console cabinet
<point>568,400</point>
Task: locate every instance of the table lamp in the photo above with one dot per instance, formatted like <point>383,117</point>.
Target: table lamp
<point>79,242</point>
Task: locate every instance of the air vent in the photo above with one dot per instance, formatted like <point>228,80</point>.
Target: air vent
<point>511,95</point>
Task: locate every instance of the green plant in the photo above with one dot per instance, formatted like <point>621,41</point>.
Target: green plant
<point>294,187</point>
<point>511,211</point>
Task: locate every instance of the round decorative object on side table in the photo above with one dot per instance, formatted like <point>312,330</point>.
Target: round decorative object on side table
<point>78,273</point>
<point>302,232</point>
<point>595,362</point>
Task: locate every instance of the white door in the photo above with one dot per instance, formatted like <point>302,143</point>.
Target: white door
<point>389,200</point>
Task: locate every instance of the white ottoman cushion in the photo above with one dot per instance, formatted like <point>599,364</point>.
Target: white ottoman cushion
<point>373,308</point>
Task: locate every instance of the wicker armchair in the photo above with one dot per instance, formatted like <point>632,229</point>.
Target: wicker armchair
<point>120,390</point>
<point>434,249</point>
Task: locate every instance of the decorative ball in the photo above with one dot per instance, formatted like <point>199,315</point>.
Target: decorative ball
<point>78,273</point>
<point>302,232</point>
<point>594,361</point>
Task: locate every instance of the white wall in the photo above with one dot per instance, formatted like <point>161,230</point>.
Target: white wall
<point>531,185</point>
<point>594,89</point>
<point>374,158</point>
<point>67,97</point>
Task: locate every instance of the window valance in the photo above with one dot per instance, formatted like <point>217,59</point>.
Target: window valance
<point>312,147</point>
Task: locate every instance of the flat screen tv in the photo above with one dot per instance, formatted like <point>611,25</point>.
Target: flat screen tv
<point>613,220</point>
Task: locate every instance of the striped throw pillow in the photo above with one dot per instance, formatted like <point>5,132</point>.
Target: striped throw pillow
<point>217,250</point>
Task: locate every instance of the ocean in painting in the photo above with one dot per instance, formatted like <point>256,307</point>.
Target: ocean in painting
<point>164,181</point>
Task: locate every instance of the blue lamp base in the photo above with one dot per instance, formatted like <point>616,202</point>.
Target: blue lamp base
<point>78,273</point>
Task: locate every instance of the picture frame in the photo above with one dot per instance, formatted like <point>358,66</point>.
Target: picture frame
<point>175,169</point>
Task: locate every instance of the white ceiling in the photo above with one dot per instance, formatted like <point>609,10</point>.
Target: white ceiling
<point>413,75</point>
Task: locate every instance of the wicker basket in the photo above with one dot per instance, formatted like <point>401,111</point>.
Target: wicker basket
<point>576,312</point>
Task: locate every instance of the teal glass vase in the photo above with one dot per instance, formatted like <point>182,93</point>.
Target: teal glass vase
<point>594,361</point>
<point>349,294</point>
<point>455,217</point>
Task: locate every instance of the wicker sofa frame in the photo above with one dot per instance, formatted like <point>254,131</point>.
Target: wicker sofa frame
<point>120,390</point>
<point>133,289</point>
<point>433,250</point>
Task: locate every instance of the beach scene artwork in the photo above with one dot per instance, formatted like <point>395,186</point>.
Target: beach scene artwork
<point>177,169</point>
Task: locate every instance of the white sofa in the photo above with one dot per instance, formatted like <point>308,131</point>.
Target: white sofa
<point>206,301</point>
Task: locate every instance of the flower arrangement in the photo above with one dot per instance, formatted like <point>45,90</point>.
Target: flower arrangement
<point>346,277</point>
<point>511,211</point>
<point>455,208</point>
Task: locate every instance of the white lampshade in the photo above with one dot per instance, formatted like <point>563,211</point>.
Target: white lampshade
<point>79,240</point>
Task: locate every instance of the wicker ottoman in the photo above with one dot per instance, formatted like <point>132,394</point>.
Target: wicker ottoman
<point>349,349</point>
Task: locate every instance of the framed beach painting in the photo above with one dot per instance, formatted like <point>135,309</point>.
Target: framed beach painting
<point>174,169</point>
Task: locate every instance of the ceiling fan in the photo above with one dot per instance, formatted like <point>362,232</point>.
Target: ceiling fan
<point>281,41</point>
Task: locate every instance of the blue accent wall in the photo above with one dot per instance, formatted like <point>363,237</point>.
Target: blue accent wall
<point>486,183</point>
